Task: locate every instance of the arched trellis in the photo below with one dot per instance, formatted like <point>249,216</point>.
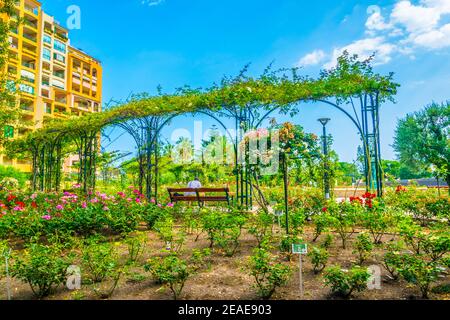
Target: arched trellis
<point>152,140</point>
<point>47,156</point>
<point>145,132</point>
<point>368,129</point>
<point>241,99</point>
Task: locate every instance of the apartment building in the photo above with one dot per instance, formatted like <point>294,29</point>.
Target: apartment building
<point>56,79</point>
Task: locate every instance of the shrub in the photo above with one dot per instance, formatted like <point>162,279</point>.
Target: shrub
<point>416,270</point>
<point>9,183</point>
<point>319,259</point>
<point>345,282</point>
<point>412,235</point>
<point>106,290</point>
<point>192,222</point>
<point>212,223</point>
<point>164,226</point>
<point>377,220</point>
<point>363,247</point>
<point>297,219</point>
<point>287,241</point>
<point>267,272</point>
<point>321,223</point>
<point>437,245</point>
<point>172,271</point>
<point>136,246</point>
<point>4,253</point>
<point>152,213</point>
<point>260,226</point>
<point>343,217</point>
<point>42,267</point>
<point>439,208</point>
<point>326,244</point>
<point>391,260</point>
<point>227,238</point>
<point>9,173</point>
<point>100,260</point>
<point>200,259</point>
<point>224,229</point>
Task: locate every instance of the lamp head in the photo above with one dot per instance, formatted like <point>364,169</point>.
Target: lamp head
<point>324,121</point>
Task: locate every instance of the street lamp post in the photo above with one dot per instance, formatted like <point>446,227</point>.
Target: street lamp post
<point>326,180</point>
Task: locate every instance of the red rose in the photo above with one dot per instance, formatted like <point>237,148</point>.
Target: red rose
<point>325,209</point>
<point>34,205</point>
<point>20,204</point>
<point>11,198</point>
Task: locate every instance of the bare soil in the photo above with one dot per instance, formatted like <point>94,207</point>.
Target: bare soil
<point>227,279</point>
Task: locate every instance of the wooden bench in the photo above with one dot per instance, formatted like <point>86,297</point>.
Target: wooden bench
<point>200,195</point>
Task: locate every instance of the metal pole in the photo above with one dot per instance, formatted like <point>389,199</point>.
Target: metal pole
<point>236,165</point>
<point>286,193</point>
<point>301,275</point>
<point>326,174</point>
<point>8,278</point>
<point>326,178</point>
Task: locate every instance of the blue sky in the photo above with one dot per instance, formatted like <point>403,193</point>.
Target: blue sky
<point>146,43</point>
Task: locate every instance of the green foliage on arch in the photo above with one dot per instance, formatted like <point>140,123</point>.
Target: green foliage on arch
<point>351,77</point>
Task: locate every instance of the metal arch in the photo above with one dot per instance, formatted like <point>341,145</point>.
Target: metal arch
<point>368,169</point>
<point>316,100</point>
<point>158,131</point>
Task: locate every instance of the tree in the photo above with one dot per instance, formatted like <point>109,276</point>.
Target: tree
<point>347,173</point>
<point>422,139</point>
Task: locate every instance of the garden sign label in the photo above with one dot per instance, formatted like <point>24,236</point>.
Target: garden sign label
<point>300,249</point>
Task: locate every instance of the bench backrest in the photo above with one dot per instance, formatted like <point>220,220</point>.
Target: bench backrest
<point>201,190</point>
<point>195,196</point>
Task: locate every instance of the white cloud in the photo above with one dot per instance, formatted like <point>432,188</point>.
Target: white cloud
<point>442,6</point>
<point>364,49</point>
<point>415,18</point>
<point>409,27</point>
<point>313,58</point>
<point>376,21</point>
<point>434,39</point>
<point>152,3</point>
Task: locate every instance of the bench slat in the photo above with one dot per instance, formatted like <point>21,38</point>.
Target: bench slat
<point>201,195</point>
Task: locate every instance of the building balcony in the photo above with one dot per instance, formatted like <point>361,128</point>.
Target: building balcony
<point>14,56</point>
<point>29,52</point>
<point>60,115</point>
<point>30,39</point>
<point>27,108</point>
<point>30,66</point>
<point>30,25</point>
<point>33,11</point>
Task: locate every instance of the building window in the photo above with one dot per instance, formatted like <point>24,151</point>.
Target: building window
<point>58,45</point>
<point>47,39</point>
<point>59,57</point>
<point>47,54</point>
<point>26,88</point>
